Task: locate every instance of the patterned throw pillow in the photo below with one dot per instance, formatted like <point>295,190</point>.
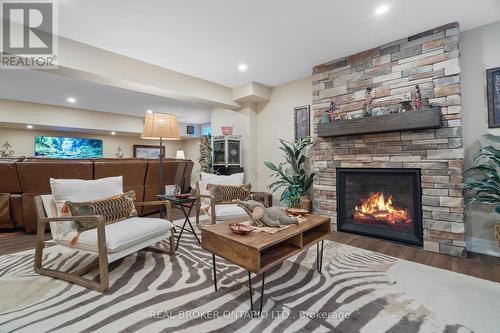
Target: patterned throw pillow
<point>228,193</point>
<point>113,209</point>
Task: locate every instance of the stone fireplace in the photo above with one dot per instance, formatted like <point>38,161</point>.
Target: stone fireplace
<point>392,71</point>
<point>385,203</point>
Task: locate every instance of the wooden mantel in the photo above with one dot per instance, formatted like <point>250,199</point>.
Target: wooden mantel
<point>407,121</point>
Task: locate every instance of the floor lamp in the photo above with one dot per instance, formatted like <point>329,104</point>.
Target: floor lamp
<point>161,126</point>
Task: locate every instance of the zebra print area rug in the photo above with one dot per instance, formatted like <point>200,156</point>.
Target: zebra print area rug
<point>358,291</point>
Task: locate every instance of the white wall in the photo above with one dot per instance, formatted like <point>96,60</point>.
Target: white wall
<point>23,141</point>
<point>275,120</point>
<point>192,152</point>
<point>480,50</point>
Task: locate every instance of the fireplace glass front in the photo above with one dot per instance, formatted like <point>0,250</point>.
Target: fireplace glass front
<point>385,203</point>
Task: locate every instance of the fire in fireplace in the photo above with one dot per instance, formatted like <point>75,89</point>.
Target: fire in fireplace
<point>376,209</point>
<point>380,202</point>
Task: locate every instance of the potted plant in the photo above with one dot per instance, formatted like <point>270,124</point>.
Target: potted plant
<point>205,158</point>
<point>484,183</point>
<point>293,175</point>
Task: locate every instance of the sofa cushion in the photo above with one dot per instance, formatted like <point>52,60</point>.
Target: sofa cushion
<point>112,209</point>
<point>120,235</point>
<point>227,212</point>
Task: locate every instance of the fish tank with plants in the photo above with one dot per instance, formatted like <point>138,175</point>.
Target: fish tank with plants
<point>63,147</point>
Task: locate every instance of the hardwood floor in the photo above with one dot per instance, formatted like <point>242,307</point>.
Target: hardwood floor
<point>478,265</point>
<point>475,264</point>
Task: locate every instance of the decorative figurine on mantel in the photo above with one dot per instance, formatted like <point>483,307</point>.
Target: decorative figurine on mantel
<point>7,150</point>
<point>418,98</point>
<point>325,118</point>
<point>332,111</point>
<point>368,106</point>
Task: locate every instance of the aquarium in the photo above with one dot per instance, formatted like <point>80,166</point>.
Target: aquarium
<point>61,147</point>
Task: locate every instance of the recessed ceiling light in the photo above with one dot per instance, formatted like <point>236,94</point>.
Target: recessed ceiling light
<point>382,10</point>
<point>71,100</point>
<point>29,126</point>
<point>242,67</point>
<point>149,111</point>
<point>113,133</point>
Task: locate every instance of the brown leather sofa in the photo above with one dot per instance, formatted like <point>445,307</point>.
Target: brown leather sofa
<point>21,180</point>
<point>10,194</point>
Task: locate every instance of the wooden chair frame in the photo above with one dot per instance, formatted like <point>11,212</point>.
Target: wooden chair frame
<point>76,276</point>
<point>214,203</point>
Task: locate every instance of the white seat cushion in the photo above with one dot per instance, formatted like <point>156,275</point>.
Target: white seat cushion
<point>120,235</point>
<point>227,212</point>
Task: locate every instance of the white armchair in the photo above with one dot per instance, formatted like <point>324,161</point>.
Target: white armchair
<point>109,242</point>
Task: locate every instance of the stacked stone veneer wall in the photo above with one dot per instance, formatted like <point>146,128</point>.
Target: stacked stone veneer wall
<point>431,60</point>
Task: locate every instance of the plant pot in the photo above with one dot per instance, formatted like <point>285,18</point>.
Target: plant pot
<point>305,202</point>
<point>497,233</point>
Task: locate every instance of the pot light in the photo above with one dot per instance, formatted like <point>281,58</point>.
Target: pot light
<point>113,133</point>
<point>149,111</point>
<point>71,100</point>
<point>29,126</point>
<point>382,10</point>
<point>242,67</point>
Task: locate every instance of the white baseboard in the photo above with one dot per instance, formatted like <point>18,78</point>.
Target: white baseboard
<point>483,246</point>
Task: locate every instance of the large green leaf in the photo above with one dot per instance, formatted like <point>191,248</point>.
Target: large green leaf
<point>292,173</point>
<point>491,137</point>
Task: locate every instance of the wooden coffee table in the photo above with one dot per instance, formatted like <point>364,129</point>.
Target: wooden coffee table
<point>257,252</point>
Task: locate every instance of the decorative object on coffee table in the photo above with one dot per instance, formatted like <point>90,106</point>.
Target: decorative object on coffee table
<point>493,91</point>
<point>240,228</point>
<point>270,216</point>
<point>302,122</point>
<point>293,175</point>
<point>483,185</point>
<point>258,252</point>
<point>296,211</point>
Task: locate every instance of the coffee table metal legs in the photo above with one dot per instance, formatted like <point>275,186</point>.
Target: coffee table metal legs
<point>215,271</point>
<point>186,220</point>
<point>319,266</point>
<point>251,293</point>
<point>319,257</point>
<point>261,292</point>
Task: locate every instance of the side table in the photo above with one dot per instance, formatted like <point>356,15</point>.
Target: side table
<point>186,206</point>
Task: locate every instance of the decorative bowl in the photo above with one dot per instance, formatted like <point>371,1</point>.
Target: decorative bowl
<point>240,229</point>
<point>183,196</point>
<point>296,211</point>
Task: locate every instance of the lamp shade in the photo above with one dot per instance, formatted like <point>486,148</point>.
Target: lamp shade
<point>180,155</point>
<point>160,125</point>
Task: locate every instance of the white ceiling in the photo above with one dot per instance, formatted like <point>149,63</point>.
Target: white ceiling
<point>41,87</point>
<point>280,40</point>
